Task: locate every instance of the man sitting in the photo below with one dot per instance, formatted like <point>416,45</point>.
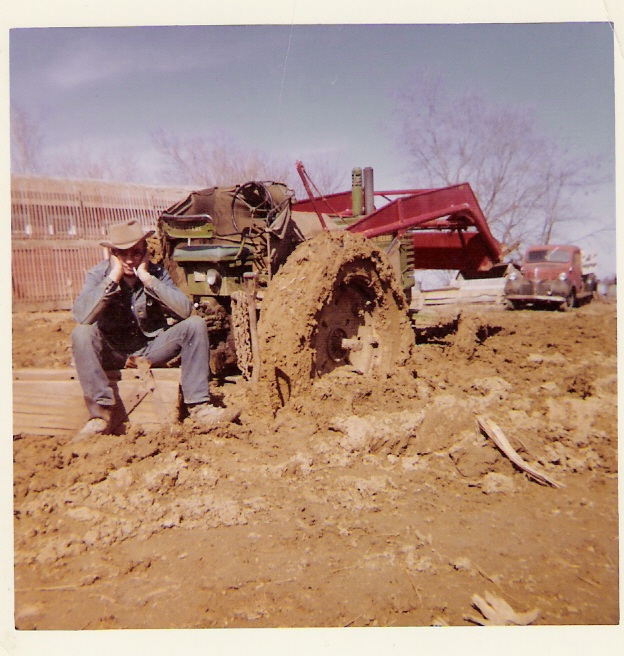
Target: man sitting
<point>122,314</point>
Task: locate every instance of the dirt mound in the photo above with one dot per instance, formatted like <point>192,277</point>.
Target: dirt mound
<point>365,500</point>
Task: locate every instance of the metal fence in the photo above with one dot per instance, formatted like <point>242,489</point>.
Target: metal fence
<point>56,227</point>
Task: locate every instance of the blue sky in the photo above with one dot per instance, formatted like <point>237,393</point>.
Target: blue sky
<point>301,91</point>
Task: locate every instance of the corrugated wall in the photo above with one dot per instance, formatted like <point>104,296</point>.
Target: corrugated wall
<point>50,275</point>
<point>56,226</point>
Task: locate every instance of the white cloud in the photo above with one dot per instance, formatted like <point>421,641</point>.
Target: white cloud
<point>93,61</point>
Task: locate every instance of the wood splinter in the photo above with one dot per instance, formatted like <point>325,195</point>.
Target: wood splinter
<point>491,430</point>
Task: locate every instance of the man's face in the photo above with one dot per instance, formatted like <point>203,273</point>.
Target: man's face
<point>130,258</point>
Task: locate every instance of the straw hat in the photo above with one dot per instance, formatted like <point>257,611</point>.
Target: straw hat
<point>125,235</point>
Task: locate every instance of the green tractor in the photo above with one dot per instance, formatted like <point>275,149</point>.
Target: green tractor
<point>291,290</point>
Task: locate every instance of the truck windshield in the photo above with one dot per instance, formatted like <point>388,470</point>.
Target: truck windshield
<point>548,255</point>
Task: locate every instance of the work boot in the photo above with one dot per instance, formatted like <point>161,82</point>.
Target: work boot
<point>206,414</point>
<point>95,426</point>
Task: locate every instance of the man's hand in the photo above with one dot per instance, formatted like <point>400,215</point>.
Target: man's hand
<point>116,272</point>
<point>141,271</point>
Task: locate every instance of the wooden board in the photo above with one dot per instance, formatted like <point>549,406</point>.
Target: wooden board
<point>463,296</point>
<point>50,401</point>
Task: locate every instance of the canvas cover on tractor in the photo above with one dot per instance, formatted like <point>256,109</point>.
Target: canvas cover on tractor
<point>234,210</point>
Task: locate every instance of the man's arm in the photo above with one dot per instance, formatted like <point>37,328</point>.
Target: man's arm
<point>159,285</point>
<point>98,289</point>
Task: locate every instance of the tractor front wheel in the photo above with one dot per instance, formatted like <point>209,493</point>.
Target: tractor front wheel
<point>335,303</point>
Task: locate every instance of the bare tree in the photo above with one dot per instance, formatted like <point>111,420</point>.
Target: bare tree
<point>26,142</point>
<point>87,164</point>
<point>220,161</point>
<point>525,182</point>
<point>214,161</point>
<point>27,155</point>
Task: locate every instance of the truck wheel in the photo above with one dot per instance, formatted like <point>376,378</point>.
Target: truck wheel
<point>335,303</point>
<point>570,302</point>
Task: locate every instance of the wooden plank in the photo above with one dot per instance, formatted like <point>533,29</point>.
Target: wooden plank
<point>171,375</point>
<point>31,416</point>
<point>48,389</point>
<point>50,402</point>
<point>48,408</point>
<point>31,405</point>
<point>45,374</point>
<point>69,374</point>
<point>43,425</point>
<point>467,299</point>
<point>160,406</point>
<point>155,411</point>
<point>44,431</point>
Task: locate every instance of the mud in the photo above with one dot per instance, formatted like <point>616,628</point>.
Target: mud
<point>364,501</point>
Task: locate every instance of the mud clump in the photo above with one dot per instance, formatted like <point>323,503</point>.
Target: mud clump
<point>580,385</point>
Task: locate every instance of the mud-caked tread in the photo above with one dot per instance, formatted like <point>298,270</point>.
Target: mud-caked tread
<point>242,334</point>
<point>311,279</point>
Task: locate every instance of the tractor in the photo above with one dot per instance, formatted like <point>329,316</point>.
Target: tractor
<point>291,290</point>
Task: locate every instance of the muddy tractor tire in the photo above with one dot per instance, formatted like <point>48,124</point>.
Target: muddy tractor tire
<point>335,303</point>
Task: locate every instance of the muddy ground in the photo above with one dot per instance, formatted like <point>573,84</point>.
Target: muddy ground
<point>365,502</point>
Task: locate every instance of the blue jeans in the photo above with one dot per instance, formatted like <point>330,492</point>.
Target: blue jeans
<point>93,355</point>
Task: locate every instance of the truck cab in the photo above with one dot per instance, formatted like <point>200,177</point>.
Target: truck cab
<point>550,275</point>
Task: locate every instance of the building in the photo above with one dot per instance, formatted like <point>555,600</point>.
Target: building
<point>56,227</point>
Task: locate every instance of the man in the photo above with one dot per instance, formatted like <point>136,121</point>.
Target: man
<point>122,314</point>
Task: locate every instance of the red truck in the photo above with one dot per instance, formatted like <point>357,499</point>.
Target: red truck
<point>551,276</point>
